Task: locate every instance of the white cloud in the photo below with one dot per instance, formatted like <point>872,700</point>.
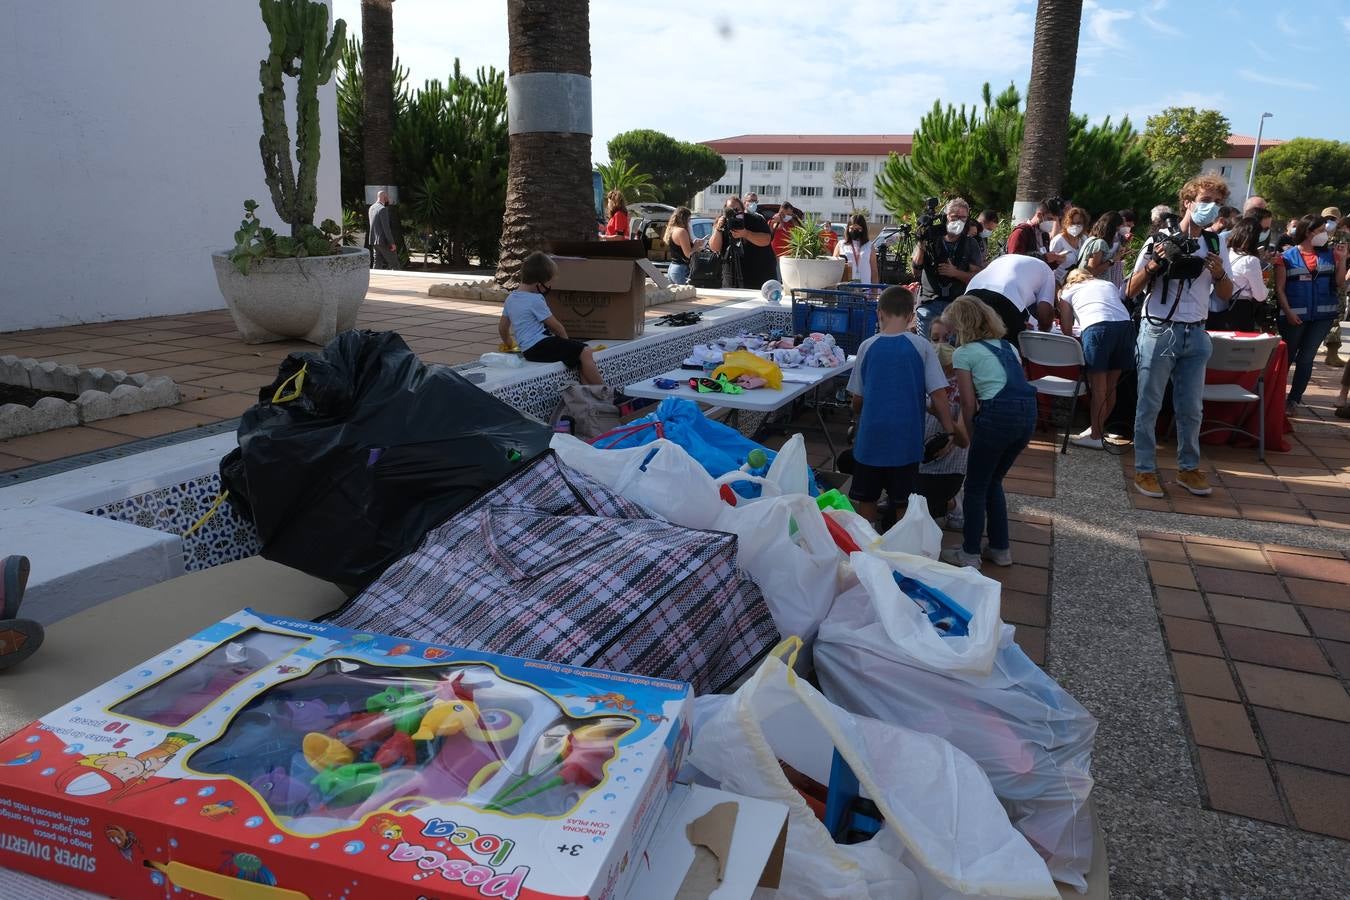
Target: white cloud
<point>1286,27</point>
<point>1103,27</point>
<point>1276,81</point>
<point>804,68</point>
<point>1345,23</point>
<point>1260,52</point>
<point>1159,26</point>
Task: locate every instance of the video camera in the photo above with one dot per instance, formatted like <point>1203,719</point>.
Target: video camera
<point>733,221</point>
<point>931,224</point>
<point>1174,251</point>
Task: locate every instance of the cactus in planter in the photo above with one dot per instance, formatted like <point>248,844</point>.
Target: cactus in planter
<point>301,48</point>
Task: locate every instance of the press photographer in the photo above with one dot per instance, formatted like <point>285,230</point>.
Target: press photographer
<point>945,258</point>
<point>743,241</point>
<point>1180,265</point>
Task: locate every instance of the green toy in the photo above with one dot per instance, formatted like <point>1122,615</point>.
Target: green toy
<point>404,705</point>
<point>348,785</point>
<point>832,499</point>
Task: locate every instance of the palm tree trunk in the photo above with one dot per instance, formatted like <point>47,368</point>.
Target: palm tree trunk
<point>1054,56</point>
<point>377,73</point>
<point>548,185</point>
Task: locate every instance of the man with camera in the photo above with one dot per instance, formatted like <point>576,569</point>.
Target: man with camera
<point>1179,266</point>
<point>945,258</point>
<point>743,240</point>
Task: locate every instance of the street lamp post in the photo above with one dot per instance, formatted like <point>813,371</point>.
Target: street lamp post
<point>1256,151</point>
<point>740,186</point>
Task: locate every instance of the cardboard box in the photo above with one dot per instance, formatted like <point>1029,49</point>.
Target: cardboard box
<point>600,291</point>
<point>714,844</point>
<point>316,761</point>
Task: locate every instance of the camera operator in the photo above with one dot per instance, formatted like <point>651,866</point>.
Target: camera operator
<point>1178,268</point>
<point>743,241</point>
<point>1032,237</point>
<point>946,259</point>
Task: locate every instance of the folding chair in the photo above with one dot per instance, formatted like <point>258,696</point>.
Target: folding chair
<point>1058,350</point>
<point>1240,355</point>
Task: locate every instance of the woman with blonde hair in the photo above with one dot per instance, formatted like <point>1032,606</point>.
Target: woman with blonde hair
<point>998,409</point>
<point>616,208</point>
<point>680,245</point>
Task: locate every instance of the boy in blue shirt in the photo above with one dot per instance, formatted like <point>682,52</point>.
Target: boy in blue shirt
<point>896,375</point>
<point>540,335</point>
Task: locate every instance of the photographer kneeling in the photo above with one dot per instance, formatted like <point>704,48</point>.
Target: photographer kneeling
<point>945,258</point>
<point>1178,267</point>
<point>743,241</point>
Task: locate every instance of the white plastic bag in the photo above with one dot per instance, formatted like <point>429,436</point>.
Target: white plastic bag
<point>789,469</point>
<point>661,477</point>
<point>916,532</point>
<point>945,833</point>
<point>1030,737</point>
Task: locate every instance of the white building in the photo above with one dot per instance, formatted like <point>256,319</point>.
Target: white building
<point>130,145</point>
<point>807,170</point>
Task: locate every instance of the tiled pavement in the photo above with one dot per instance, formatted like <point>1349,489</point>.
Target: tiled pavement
<point>1259,638</point>
<point>220,375</point>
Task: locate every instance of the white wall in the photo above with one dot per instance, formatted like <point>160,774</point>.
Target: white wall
<point>128,144</point>
<point>1234,171</point>
<point>826,207</point>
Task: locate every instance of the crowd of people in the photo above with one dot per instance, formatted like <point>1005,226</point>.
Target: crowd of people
<point>941,401</point>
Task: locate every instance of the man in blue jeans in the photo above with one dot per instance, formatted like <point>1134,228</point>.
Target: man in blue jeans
<point>1173,344</point>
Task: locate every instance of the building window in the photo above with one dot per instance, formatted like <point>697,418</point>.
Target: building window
<point>808,165</point>
<point>806,191</point>
<point>883,219</point>
<point>1225,171</point>
<point>766,165</point>
<point>839,216</point>
<point>850,192</point>
<point>851,165</point>
<point>766,190</point>
<point>723,189</point>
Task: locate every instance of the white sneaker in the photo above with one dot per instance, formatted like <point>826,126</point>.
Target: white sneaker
<point>1088,441</point>
<point>1086,432</point>
<point>997,557</point>
<point>955,556</point>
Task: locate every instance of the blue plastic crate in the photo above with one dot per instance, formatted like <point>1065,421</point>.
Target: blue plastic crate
<point>851,318</point>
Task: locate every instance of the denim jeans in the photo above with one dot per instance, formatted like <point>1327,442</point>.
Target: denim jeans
<point>1180,353</point>
<point>929,312</point>
<point>1303,341</point>
<point>678,273</point>
<point>1003,428</point>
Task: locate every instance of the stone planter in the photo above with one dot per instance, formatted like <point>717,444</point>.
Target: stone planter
<point>823,272</point>
<point>279,299</point>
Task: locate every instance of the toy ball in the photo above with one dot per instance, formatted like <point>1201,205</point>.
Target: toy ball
<point>772,290</point>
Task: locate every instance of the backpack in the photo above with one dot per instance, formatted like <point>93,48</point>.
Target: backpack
<point>705,269</point>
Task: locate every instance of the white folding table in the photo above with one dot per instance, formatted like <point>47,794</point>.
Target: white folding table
<point>796,383</point>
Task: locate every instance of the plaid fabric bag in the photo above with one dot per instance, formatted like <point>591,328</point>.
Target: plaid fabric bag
<point>551,566</point>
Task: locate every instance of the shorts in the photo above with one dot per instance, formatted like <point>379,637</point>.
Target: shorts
<point>556,349</point>
<point>897,481</point>
<point>1108,346</point>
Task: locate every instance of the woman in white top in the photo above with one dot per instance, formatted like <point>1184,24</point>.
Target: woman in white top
<point>1249,283</point>
<point>1074,223</point>
<point>856,249</point>
<point>1108,342</point>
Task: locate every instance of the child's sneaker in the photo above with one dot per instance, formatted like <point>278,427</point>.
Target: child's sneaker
<point>997,557</point>
<point>955,556</point>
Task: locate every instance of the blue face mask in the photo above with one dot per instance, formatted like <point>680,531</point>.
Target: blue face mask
<point>1203,214</point>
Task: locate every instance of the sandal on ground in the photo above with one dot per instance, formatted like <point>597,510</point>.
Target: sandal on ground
<point>19,638</point>
<point>14,571</point>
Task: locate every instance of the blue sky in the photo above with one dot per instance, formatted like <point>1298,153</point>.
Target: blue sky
<point>875,66</point>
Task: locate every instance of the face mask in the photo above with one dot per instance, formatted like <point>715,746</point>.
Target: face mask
<point>787,218</point>
<point>1331,225</point>
<point>1203,214</point>
<point>1265,236</point>
<point>1075,230</point>
<point>1048,226</point>
<point>753,206</point>
<point>543,290</point>
<point>957,227</point>
<point>1319,239</point>
<point>855,235</point>
<point>986,234</point>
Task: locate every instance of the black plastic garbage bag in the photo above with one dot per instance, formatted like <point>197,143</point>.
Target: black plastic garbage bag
<point>354,453</point>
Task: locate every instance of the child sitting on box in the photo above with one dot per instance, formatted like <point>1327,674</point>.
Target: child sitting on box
<point>896,375</point>
<point>540,335</point>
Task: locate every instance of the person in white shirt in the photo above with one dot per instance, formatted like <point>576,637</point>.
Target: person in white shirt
<point>1014,285</point>
<point>1094,304</point>
<point>1066,244</point>
<point>856,249</point>
<point>1173,344</point>
<point>1238,313</point>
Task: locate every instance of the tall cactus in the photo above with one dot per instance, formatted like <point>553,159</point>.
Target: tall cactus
<point>299,30</point>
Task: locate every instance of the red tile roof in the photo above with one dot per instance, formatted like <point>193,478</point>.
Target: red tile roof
<point>1239,145</point>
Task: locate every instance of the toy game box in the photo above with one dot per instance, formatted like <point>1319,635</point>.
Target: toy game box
<point>271,758</point>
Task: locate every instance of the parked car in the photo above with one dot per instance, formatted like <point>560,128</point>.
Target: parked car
<point>661,211</point>
<point>652,230</point>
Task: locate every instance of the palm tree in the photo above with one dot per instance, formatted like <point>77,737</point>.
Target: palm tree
<point>620,176</point>
<point>377,103</point>
<point>1045,140</point>
<point>548,185</point>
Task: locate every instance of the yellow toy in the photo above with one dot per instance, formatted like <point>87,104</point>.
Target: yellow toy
<point>323,752</point>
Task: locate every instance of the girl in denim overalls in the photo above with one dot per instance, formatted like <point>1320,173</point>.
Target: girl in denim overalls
<point>989,370</point>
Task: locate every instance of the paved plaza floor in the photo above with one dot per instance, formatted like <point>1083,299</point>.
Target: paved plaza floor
<point>1210,636</point>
